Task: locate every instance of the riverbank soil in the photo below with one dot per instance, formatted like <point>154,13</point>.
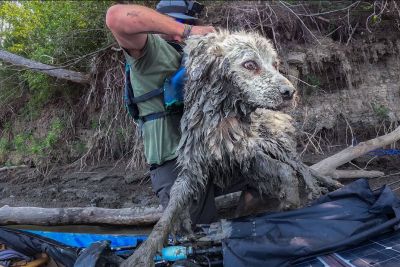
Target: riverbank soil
<point>113,186</point>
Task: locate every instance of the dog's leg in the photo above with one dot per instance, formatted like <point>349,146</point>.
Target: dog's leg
<point>277,180</point>
<point>317,184</point>
<point>181,194</point>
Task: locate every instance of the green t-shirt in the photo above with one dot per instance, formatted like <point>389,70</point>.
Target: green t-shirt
<point>159,60</point>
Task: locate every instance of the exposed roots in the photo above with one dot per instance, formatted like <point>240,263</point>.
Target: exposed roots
<point>116,135</point>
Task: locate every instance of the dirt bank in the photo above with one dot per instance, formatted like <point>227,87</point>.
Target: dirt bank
<point>114,187</point>
<point>101,186</point>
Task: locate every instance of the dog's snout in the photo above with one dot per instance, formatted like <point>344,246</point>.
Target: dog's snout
<point>286,88</point>
<point>287,92</point>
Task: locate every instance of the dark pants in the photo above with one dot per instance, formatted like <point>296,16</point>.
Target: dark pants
<point>201,211</point>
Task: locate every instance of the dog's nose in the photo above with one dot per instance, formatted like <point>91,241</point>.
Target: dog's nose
<point>287,92</point>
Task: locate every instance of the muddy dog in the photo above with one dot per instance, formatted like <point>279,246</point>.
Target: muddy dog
<point>231,130</point>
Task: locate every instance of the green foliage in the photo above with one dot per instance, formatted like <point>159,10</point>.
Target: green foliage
<point>79,147</point>
<point>20,142</point>
<point>4,146</point>
<point>380,111</point>
<point>54,134</point>
<point>51,32</point>
<point>59,33</point>
<point>121,134</point>
<point>56,31</point>
<point>314,84</point>
<point>313,80</point>
<point>40,146</point>
<point>26,144</point>
<point>94,124</point>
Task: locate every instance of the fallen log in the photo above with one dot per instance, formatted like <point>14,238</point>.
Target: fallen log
<point>8,168</point>
<point>138,216</point>
<point>351,174</point>
<point>328,166</point>
<point>53,71</point>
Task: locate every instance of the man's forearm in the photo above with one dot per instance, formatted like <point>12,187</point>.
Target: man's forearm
<point>135,19</point>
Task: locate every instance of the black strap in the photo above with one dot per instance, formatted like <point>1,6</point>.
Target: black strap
<point>173,9</point>
<point>157,115</point>
<point>132,108</point>
<point>147,96</point>
<point>154,116</point>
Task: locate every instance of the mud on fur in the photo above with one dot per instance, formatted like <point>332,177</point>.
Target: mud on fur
<point>231,130</point>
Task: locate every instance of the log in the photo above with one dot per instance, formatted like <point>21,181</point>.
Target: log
<point>138,216</point>
<point>53,71</point>
<point>12,168</point>
<point>141,216</point>
<point>327,167</point>
<point>351,174</point>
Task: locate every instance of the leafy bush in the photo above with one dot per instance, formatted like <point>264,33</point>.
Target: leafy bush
<point>381,111</point>
<point>56,33</point>
<point>54,133</point>
<point>4,146</point>
<point>59,33</point>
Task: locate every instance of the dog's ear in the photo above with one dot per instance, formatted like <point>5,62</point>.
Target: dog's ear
<point>197,45</point>
<point>203,54</point>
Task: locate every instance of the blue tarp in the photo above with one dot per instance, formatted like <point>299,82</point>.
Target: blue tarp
<point>83,240</point>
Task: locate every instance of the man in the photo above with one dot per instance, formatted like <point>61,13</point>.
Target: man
<point>142,33</point>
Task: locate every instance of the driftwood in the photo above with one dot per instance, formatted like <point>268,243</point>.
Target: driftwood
<point>57,72</point>
<point>328,166</point>
<point>9,168</point>
<point>139,216</point>
<point>68,216</point>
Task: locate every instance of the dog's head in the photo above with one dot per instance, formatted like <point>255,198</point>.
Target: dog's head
<point>245,62</point>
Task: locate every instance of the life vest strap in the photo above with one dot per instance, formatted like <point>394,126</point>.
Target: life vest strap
<point>147,96</point>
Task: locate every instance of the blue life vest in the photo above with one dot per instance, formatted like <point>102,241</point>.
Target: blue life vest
<point>171,91</point>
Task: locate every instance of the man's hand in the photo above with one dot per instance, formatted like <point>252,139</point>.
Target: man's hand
<point>201,30</point>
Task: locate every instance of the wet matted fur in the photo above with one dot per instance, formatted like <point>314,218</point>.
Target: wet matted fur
<point>231,130</point>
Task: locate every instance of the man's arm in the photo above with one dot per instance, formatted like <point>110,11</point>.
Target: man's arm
<point>131,23</point>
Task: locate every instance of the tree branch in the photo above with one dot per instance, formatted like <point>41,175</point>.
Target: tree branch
<point>350,174</point>
<point>57,72</point>
<point>328,166</point>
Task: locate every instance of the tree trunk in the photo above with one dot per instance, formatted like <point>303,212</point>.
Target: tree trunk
<point>68,216</point>
<point>328,166</point>
<point>139,216</point>
<point>57,72</point>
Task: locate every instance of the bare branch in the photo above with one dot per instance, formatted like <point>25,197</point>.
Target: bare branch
<point>331,11</point>
<point>351,174</point>
<point>302,22</point>
<point>328,166</point>
<point>70,75</point>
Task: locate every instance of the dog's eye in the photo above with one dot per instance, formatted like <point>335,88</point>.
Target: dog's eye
<point>275,65</point>
<point>250,65</point>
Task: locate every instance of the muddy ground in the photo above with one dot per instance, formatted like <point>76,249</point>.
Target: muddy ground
<point>113,186</point>
<point>105,185</point>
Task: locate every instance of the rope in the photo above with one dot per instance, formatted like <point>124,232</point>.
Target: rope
<point>384,152</point>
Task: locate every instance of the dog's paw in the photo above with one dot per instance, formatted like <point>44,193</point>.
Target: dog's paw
<point>141,258</point>
<point>183,225</point>
<point>326,182</point>
<point>144,255</point>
